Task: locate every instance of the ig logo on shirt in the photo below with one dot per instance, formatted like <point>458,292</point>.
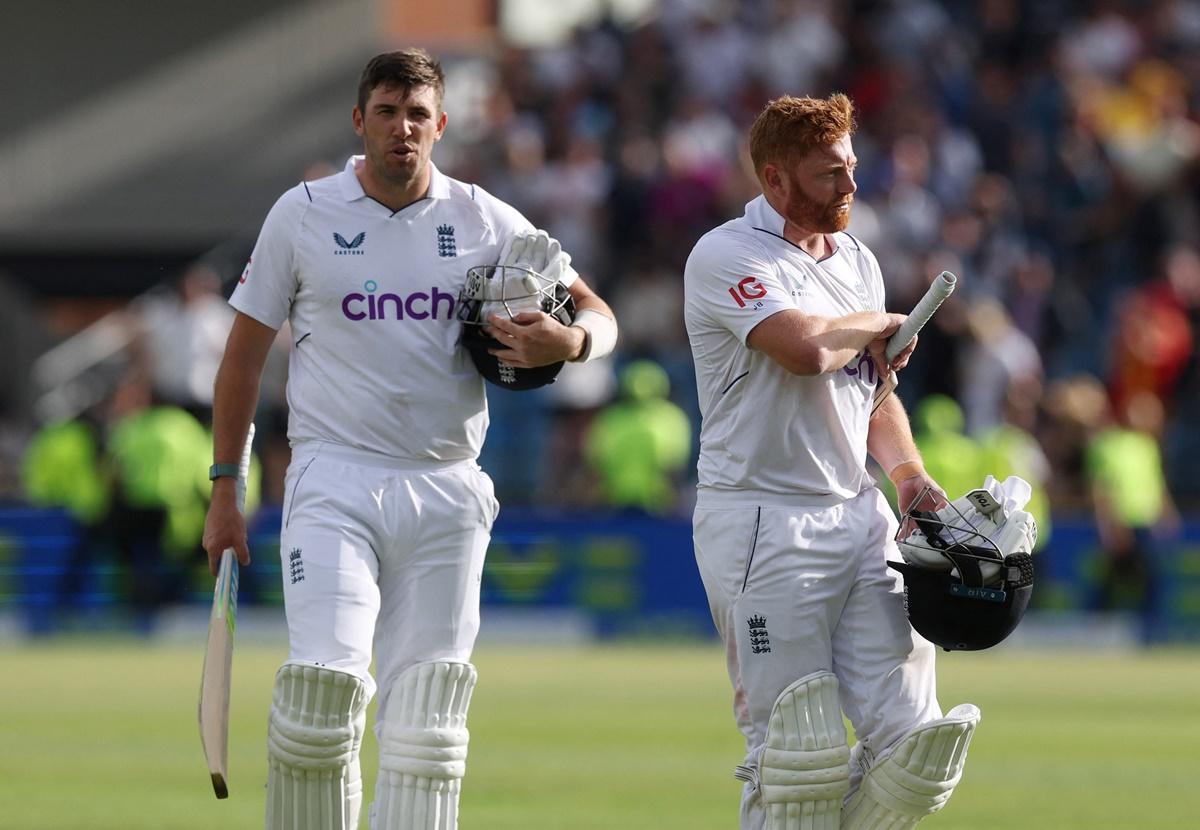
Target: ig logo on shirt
<point>748,290</point>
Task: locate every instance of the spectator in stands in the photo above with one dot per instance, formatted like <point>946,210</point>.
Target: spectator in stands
<point>1182,439</point>
<point>1011,448</point>
<point>573,400</point>
<point>1154,340</point>
<point>950,456</point>
<point>1133,508</point>
<point>63,467</point>
<point>133,475</point>
<point>638,445</point>
<point>185,331</point>
<point>998,357</point>
<point>158,459</point>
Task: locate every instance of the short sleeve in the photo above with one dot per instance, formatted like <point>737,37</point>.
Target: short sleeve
<point>729,281</point>
<point>268,285</point>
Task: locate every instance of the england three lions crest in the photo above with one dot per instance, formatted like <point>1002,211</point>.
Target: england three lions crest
<point>445,241</point>
<point>760,640</point>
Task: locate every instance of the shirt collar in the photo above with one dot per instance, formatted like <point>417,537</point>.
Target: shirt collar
<point>439,184</point>
<point>760,214</point>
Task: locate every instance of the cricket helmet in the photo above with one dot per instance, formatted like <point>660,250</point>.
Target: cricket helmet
<point>968,577</point>
<point>509,290</point>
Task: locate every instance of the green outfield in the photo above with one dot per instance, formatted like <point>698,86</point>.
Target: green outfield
<point>103,736</point>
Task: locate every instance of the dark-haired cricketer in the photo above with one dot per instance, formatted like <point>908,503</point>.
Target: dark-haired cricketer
<point>386,514</point>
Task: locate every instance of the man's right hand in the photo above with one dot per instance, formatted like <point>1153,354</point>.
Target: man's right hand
<point>225,526</point>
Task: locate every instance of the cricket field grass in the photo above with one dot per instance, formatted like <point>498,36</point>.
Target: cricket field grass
<point>103,736</point>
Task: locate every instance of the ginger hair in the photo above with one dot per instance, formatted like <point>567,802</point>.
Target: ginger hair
<point>789,127</point>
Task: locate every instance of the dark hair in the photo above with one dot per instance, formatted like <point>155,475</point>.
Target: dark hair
<point>407,69</point>
<point>789,127</point>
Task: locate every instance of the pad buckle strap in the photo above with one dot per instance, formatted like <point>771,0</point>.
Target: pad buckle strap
<point>745,773</point>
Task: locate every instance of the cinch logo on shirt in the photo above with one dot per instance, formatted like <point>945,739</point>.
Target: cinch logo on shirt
<point>351,247</point>
<point>864,368</point>
<point>748,289</point>
<point>419,305</point>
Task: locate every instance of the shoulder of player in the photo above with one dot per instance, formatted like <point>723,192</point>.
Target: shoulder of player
<point>326,187</point>
<point>472,200</point>
<point>727,246</point>
<point>852,244</point>
<point>290,208</point>
<point>855,248</point>
<point>472,197</point>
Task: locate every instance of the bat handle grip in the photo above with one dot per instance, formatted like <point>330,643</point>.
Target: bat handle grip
<point>941,288</point>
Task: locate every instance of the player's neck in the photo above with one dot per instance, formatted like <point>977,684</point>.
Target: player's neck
<point>814,243</point>
<point>394,195</point>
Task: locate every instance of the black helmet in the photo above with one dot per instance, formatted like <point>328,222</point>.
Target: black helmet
<point>509,289</point>
<point>958,608</point>
<point>961,617</point>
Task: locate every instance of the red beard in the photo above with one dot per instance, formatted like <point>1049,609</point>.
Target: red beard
<point>819,217</point>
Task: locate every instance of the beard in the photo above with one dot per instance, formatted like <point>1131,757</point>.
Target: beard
<point>392,170</point>
<point>395,171</point>
<point>819,217</point>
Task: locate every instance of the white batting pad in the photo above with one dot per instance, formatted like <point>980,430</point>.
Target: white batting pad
<point>916,778</point>
<point>804,770</point>
<point>423,748</point>
<point>313,738</point>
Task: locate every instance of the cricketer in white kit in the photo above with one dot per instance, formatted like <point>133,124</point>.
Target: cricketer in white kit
<point>785,315</point>
<point>386,514</point>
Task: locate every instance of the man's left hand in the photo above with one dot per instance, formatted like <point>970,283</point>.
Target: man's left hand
<point>901,360</point>
<point>909,493</point>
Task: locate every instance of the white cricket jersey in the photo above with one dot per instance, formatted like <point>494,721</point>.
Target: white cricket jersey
<point>768,435</point>
<point>371,295</point>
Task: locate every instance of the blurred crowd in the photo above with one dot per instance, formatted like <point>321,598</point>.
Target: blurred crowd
<point>1045,151</point>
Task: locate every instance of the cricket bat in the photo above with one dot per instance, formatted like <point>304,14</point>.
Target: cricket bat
<point>941,288</point>
<point>218,654</point>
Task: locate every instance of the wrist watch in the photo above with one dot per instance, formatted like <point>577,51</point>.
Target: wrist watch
<point>222,471</point>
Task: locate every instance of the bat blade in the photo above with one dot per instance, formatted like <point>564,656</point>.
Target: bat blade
<point>941,288</point>
<point>217,674</point>
<point>215,677</point>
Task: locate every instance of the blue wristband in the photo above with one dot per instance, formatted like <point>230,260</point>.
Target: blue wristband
<point>222,471</point>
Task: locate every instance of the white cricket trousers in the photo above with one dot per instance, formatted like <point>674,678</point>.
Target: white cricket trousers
<point>382,555</point>
<point>797,590</point>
